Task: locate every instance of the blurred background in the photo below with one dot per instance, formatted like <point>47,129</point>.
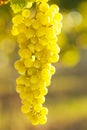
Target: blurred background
<point>67,97</point>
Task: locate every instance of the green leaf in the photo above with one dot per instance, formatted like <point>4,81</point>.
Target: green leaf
<point>18,5</point>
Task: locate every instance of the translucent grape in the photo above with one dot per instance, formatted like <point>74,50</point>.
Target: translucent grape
<point>26,13</point>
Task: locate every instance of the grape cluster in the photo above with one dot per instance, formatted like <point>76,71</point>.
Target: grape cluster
<point>37,37</point>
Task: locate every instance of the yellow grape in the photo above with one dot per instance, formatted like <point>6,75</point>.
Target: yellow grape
<point>37,40</point>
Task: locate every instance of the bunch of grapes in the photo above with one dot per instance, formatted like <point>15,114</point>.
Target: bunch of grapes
<point>37,40</point>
